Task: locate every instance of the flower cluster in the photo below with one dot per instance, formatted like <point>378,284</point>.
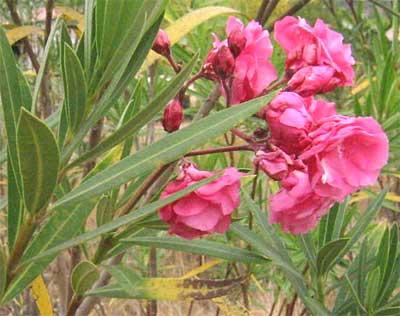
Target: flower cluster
<point>318,156</point>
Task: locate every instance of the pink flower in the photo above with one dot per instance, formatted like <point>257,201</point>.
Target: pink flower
<point>308,46</point>
<point>296,206</point>
<point>276,164</point>
<point>206,210</point>
<point>173,116</point>
<point>252,48</point>
<point>291,117</point>
<point>345,154</point>
<point>223,62</point>
<point>162,44</point>
<point>312,80</point>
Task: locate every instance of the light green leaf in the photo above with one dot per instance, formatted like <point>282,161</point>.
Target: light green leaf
<point>130,218</point>
<point>328,254</point>
<point>164,151</point>
<point>74,88</point>
<point>133,125</point>
<point>62,225</point>
<point>39,158</point>
<point>84,276</point>
<point>372,290</point>
<point>201,247</point>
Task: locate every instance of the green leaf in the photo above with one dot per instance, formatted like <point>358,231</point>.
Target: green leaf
<point>88,36</point>
<point>11,100</point>
<point>63,121</point>
<point>164,151</point>
<point>15,207</point>
<point>327,255</point>
<point>39,158</point>
<point>201,247</point>
<point>132,126</point>
<point>388,311</point>
<point>308,248</point>
<point>388,266</point>
<point>361,225</point>
<point>43,64</point>
<point>127,279</point>
<point>130,218</point>
<point>115,89</point>
<point>3,272</point>
<point>62,225</point>
<point>74,88</point>
<point>354,293</point>
<point>104,211</point>
<point>84,276</point>
<point>372,290</point>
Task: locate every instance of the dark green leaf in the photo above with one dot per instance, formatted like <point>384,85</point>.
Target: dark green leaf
<point>84,276</point>
<point>39,158</point>
<point>164,151</point>
<point>327,255</point>
<point>202,247</point>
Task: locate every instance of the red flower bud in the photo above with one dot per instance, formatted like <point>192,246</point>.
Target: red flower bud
<point>223,62</point>
<point>162,44</point>
<point>236,42</point>
<point>173,116</point>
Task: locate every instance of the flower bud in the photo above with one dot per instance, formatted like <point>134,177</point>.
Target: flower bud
<point>162,44</point>
<point>173,116</point>
<point>236,42</point>
<point>223,62</point>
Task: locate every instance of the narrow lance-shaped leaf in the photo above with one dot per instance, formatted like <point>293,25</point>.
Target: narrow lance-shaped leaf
<point>202,247</point>
<point>328,253</point>
<point>133,125</point>
<point>74,88</point>
<point>83,277</point>
<point>11,100</point>
<point>45,249</point>
<point>166,150</point>
<point>39,158</point>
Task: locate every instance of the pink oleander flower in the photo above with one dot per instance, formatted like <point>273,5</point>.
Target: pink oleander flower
<point>252,48</point>
<point>312,80</point>
<point>296,207</point>
<point>309,47</point>
<point>345,154</point>
<point>173,116</point>
<point>277,164</point>
<point>223,62</point>
<point>162,44</point>
<point>290,119</point>
<point>205,211</point>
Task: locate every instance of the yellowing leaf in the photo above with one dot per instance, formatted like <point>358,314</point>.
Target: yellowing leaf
<point>184,25</point>
<point>360,87</point>
<point>17,33</point>
<point>204,267</point>
<point>393,197</point>
<point>72,15</point>
<point>174,289</point>
<point>41,296</point>
<point>230,308</point>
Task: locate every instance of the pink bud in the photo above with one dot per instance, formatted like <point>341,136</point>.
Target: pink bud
<point>162,44</point>
<point>236,42</point>
<point>223,62</point>
<point>173,116</point>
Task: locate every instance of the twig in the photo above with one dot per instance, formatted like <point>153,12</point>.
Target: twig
<point>384,7</point>
<point>49,17</point>
<point>219,150</point>
<point>17,21</point>
<point>268,11</point>
<point>261,10</point>
<point>296,7</point>
<point>152,305</point>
